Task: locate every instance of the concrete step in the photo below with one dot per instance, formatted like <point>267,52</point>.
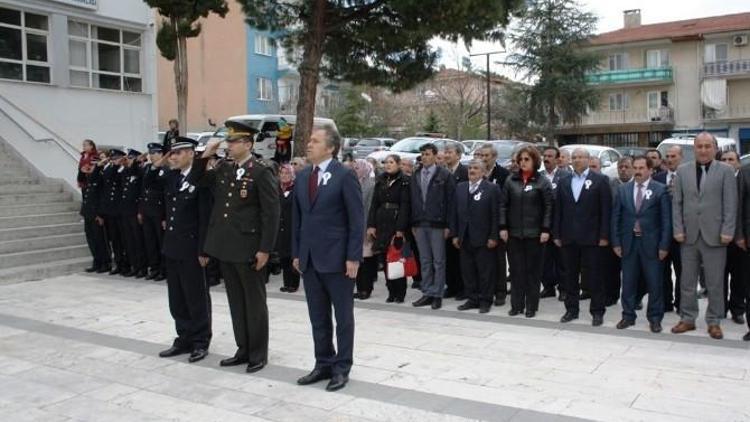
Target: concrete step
<point>35,198</point>
<point>18,179</point>
<point>36,209</point>
<point>41,256</point>
<point>39,188</point>
<point>39,220</point>
<point>43,271</point>
<point>48,242</point>
<point>33,232</point>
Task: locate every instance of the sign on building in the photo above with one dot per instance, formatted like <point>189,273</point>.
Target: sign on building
<point>88,4</point>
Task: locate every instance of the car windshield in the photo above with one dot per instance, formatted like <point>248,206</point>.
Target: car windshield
<point>409,145</point>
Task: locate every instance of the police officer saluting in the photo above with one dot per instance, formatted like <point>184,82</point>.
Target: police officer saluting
<point>187,213</point>
<point>242,234</point>
<point>110,195</point>
<point>130,229</point>
<point>151,214</point>
<point>93,224</point>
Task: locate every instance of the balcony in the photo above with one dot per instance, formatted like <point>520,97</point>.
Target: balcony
<point>727,68</point>
<point>643,76</point>
<point>730,112</point>
<point>661,116</point>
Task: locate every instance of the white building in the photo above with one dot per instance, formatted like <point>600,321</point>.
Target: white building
<point>75,69</point>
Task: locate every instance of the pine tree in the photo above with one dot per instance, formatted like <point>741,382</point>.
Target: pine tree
<point>432,124</point>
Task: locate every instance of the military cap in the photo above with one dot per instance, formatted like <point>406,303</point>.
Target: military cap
<point>182,143</point>
<point>116,153</point>
<point>133,153</point>
<point>155,148</point>
<point>239,131</point>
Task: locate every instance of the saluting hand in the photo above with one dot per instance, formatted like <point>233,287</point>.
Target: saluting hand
<point>211,147</point>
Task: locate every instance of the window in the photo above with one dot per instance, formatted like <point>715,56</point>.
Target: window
<point>265,89</point>
<point>263,45</point>
<point>618,102</point>
<point>618,61</point>
<point>717,53</point>
<point>105,58</point>
<point>657,58</point>
<point>23,46</point>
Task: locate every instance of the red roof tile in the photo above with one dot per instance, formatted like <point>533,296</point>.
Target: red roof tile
<point>676,29</point>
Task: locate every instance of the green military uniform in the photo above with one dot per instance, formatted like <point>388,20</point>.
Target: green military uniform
<point>244,221</point>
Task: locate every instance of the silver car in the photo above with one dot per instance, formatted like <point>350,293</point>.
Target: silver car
<point>366,146</point>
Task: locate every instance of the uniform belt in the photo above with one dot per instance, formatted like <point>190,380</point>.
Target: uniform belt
<point>391,206</point>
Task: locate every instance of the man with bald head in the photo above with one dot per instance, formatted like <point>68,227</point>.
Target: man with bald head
<point>704,215</point>
<point>581,228</point>
<point>672,160</point>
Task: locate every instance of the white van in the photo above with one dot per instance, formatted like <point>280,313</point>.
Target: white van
<point>269,124</point>
<point>686,142</point>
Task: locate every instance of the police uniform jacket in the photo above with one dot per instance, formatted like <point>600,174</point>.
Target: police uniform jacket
<point>245,215</point>
<point>152,194</point>
<point>130,183</point>
<point>110,193</point>
<point>90,194</point>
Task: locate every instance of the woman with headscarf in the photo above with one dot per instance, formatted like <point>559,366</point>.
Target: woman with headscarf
<point>388,218</point>
<point>368,271</point>
<point>284,239</point>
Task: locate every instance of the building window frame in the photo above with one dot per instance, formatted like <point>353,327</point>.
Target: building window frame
<point>614,64</point>
<point>662,58</point>
<point>264,88</point>
<point>127,81</point>
<point>619,101</point>
<point>263,45</point>
<point>710,54</point>
<point>25,62</point>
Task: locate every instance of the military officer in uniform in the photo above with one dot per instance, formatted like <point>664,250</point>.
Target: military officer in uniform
<point>110,195</point>
<point>187,212</point>
<point>242,233</point>
<point>132,234</point>
<point>151,215</point>
<point>93,224</point>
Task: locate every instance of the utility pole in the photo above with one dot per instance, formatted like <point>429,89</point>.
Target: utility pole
<point>489,102</point>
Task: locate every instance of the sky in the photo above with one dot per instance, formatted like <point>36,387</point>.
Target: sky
<point>610,19</point>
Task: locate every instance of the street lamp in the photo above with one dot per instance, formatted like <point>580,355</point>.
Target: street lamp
<point>489,115</point>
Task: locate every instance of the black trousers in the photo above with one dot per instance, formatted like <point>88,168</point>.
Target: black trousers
<point>189,303</point>
<point>246,293</point>
<point>672,291</point>
<point>552,273</point>
<point>479,267</point>
<point>152,240</point>
<point>454,284</point>
<point>733,285</point>
<point>289,274</point>
<point>96,239</point>
<point>114,238</point>
<point>577,257</point>
<point>525,255</point>
<point>501,283</point>
<point>132,235</point>
<point>367,274</point>
<point>745,275</point>
<point>612,277</point>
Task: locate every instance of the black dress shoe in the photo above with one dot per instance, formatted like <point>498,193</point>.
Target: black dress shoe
<point>514,312</point>
<point>283,289</point>
<point>547,292</point>
<point>484,308</point>
<point>255,366</point>
<point>437,303</point>
<point>233,361</point>
<point>499,301</point>
<point>746,337</point>
<point>115,270</point>
<point>337,382</point>
<point>173,351</point>
<point>362,295</point>
<point>738,319</point>
<point>468,305</point>
<point>315,376</point>
<point>127,273</point>
<point>151,275</point>
<point>461,296</point>
<point>597,320</point>
<point>160,277</point>
<point>104,269</point>
<point>448,295</point>
<point>141,273</point>
<point>655,327</point>
<point>530,314</point>
<point>624,323</point>
<point>197,354</point>
<point>399,300</point>
<point>389,299</point>
<point>422,301</point>
<point>91,269</point>
<point>569,316</point>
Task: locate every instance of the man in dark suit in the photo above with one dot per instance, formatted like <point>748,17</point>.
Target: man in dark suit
<point>454,285</point>
<point>187,219</point>
<point>327,235</point>
<point>432,188</point>
<point>151,215</point>
<point>581,228</point>
<point>612,264</point>
<point>641,233</point>
<point>733,285</point>
<point>475,233</point>
<point>657,164</point>
<point>673,159</point>
<point>553,272</point>
<point>497,174</point>
<point>744,236</point>
<point>241,236</point>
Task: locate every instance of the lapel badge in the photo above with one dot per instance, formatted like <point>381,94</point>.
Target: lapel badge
<point>326,178</point>
<point>587,183</point>
<point>243,193</point>
<point>478,196</point>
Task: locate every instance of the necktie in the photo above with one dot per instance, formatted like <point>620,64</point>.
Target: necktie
<point>312,184</point>
<point>703,178</point>
<point>638,203</point>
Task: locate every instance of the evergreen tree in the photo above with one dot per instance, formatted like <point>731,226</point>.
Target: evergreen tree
<point>432,124</point>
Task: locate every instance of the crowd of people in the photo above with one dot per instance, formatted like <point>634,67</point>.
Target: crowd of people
<point>550,226</point>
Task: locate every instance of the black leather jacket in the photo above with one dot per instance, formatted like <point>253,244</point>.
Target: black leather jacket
<point>526,209</point>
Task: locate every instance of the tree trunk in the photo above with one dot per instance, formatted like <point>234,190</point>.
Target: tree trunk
<point>309,70</point>
<point>181,82</point>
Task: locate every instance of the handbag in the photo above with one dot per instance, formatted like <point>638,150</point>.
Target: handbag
<point>400,260</point>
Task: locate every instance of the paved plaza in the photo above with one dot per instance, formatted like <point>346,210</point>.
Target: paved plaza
<point>84,348</point>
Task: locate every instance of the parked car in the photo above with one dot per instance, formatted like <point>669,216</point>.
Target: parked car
<point>366,146</point>
<point>607,155</point>
<point>686,143</point>
<point>409,148</point>
<point>347,146</point>
<point>631,151</point>
<point>745,159</point>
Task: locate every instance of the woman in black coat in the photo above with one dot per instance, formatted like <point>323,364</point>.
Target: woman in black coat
<point>284,239</point>
<point>388,217</point>
<point>525,222</point>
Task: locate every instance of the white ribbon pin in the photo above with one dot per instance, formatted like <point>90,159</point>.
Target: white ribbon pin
<point>286,194</point>
<point>161,173</point>
<point>478,196</point>
<point>240,172</point>
<point>587,184</point>
<point>326,178</point>
<point>648,194</point>
<point>184,186</point>
<point>527,188</point>
<point>191,188</point>
<point>554,185</point>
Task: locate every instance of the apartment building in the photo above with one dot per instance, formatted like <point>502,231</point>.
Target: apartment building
<point>673,77</point>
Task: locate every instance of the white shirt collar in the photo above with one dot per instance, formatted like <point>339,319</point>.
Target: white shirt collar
<point>550,173</point>
<point>584,175</point>
<point>186,171</point>
<point>644,184</point>
<point>324,165</point>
